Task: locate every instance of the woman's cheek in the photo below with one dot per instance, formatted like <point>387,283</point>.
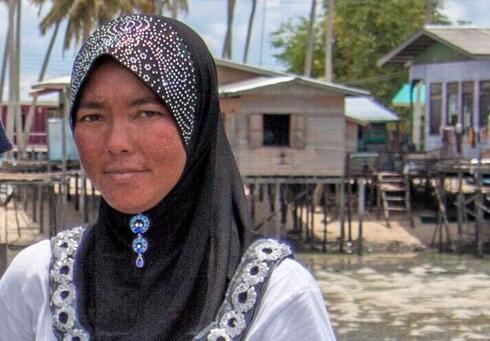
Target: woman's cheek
<point>88,146</point>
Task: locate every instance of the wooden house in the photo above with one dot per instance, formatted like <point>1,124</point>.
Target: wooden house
<point>283,125</point>
<point>452,66</point>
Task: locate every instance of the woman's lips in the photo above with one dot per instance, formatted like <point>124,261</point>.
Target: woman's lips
<point>123,174</point>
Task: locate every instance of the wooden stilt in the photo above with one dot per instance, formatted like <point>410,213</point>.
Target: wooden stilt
<point>325,217</point>
<point>252,202</point>
<point>361,188</point>
<point>312,220</point>
<point>284,205</point>
<point>460,201</point>
<point>342,215</point>
<point>277,189</point>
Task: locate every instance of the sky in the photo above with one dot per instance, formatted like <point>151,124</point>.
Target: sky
<point>208,18</point>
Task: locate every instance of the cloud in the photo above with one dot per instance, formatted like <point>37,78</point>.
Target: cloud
<point>475,12</point>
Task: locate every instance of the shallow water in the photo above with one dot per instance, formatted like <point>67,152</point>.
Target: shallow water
<point>424,296</point>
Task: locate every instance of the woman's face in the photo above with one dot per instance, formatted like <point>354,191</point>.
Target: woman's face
<point>128,142</point>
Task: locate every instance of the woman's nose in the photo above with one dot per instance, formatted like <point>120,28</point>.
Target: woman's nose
<point>118,138</point>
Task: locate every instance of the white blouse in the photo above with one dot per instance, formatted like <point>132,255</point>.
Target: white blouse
<point>292,308</point>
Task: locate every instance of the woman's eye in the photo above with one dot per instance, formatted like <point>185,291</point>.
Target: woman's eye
<point>148,113</point>
<point>91,118</point>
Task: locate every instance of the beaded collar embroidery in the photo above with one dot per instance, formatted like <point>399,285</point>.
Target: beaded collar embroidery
<point>64,247</point>
<point>139,224</point>
<point>235,316</point>
<point>151,49</point>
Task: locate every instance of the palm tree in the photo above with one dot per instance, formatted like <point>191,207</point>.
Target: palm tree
<point>249,30</point>
<point>173,6</point>
<point>311,38</point>
<point>227,46</point>
<point>12,59</point>
<point>84,15</point>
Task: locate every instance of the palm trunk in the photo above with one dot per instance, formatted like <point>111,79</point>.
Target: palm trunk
<point>329,42</point>
<point>311,39</point>
<point>428,13</point>
<point>249,30</point>
<point>227,46</point>
<point>174,9</point>
<point>18,112</point>
<point>32,108</point>
<point>11,98</point>
<point>4,64</point>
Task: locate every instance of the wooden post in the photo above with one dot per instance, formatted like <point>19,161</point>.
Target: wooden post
<point>294,213</point>
<point>312,222</point>
<point>277,209</point>
<point>284,206</point>
<point>325,216</point>
<point>479,202</point>
<point>300,221</point>
<point>342,215</point>
<point>307,215</point>
<point>252,202</point>
<point>460,200</point>
<point>349,205</point>
<point>479,222</point>
<point>361,188</point>
<point>3,257</point>
<point>42,189</point>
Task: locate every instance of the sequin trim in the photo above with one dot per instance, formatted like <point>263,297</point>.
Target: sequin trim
<point>151,48</point>
<point>62,292</point>
<point>234,316</point>
<point>244,292</point>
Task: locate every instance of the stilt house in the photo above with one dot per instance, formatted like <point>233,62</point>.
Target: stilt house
<point>452,66</point>
<point>284,125</point>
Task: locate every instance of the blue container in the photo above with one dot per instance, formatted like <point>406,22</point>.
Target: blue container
<point>55,141</point>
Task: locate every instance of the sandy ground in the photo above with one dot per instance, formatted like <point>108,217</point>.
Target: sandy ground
<point>422,296</point>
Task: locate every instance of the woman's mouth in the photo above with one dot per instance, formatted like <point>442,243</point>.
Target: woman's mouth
<point>123,174</point>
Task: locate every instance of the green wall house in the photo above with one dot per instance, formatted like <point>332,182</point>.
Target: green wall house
<point>450,68</point>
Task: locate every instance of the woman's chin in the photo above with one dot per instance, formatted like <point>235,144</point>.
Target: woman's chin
<point>128,207</point>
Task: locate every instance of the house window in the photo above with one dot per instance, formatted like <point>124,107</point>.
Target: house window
<point>452,103</point>
<point>435,108</point>
<point>276,130</point>
<point>467,105</point>
<point>484,105</point>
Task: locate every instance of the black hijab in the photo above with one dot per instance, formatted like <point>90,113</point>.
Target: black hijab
<point>198,231</point>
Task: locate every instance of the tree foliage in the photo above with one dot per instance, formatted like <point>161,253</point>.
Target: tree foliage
<point>83,16</point>
<point>363,31</point>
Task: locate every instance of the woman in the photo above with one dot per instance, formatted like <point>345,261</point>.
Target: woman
<point>171,256</point>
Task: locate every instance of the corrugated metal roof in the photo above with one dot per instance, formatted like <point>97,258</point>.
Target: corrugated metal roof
<point>474,40</point>
<point>471,41</point>
<point>367,110</point>
<point>260,71</point>
<point>52,84</point>
<point>240,88</point>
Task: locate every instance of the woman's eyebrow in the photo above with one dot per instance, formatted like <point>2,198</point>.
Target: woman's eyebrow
<point>90,105</point>
<point>145,100</point>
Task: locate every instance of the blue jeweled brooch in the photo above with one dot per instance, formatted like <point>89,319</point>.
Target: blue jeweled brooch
<point>139,224</point>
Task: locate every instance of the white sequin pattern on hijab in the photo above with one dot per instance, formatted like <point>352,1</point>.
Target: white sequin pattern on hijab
<point>151,49</point>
